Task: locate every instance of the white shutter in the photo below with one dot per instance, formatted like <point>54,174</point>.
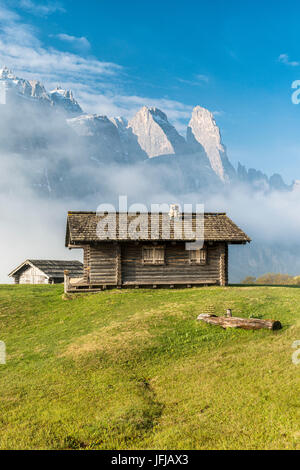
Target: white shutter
<point>198,256</point>
<point>203,256</point>
<point>148,255</point>
<point>153,254</point>
<point>159,255</point>
<point>193,256</point>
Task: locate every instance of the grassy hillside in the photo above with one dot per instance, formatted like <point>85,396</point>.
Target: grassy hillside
<point>133,369</point>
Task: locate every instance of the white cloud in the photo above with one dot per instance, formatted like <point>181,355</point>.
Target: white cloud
<point>202,78</point>
<point>52,63</point>
<point>100,87</point>
<point>21,50</point>
<point>7,15</point>
<point>284,59</point>
<point>218,113</point>
<point>196,80</point>
<point>41,10</point>
<point>81,42</point>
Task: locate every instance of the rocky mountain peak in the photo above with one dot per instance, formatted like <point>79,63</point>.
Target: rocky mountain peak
<point>120,122</point>
<point>155,134</point>
<point>202,158</point>
<point>203,130</point>
<point>65,100</point>
<point>6,73</point>
<point>157,114</point>
<point>18,88</point>
<point>90,125</point>
<point>38,90</point>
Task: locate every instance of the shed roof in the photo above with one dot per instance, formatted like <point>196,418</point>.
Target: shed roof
<point>82,228</point>
<point>52,268</point>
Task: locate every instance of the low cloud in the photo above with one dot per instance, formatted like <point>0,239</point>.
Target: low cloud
<point>35,225</point>
<point>34,229</point>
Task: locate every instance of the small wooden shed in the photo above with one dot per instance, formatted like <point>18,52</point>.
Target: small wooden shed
<point>43,271</point>
<point>120,261</point>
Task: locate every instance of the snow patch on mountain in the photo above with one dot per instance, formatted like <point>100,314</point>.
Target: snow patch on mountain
<point>65,100</point>
<point>13,88</point>
<point>91,125</point>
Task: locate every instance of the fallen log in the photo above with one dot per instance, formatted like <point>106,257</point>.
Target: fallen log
<point>236,322</point>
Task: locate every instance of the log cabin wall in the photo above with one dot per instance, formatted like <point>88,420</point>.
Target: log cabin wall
<point>122,264</point>
<point>86,263</point>
<point>226,264</point>
<point>102,261</point>
<point>176,268</point>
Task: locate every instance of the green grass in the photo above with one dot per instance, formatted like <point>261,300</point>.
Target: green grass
<point>133,369</point>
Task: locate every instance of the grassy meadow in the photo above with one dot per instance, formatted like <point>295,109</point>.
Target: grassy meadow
<point>133,369</point>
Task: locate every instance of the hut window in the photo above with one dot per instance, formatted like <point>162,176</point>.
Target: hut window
<point>198,256</point>
<point>154,254</point>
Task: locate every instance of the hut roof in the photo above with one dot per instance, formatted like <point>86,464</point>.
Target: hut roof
<point>52,268</point>
<point>82,228</point>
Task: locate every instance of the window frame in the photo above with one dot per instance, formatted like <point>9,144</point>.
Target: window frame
<point>154,260</point>
<point>201,256</point>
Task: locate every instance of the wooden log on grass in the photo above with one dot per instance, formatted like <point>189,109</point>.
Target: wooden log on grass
<point>236,322</point>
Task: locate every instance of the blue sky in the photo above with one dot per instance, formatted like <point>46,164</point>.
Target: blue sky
<point>236,58</point>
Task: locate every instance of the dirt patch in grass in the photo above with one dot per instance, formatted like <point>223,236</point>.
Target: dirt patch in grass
<point>109,340</point>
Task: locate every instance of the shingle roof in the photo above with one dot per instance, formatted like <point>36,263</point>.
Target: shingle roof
<point>82,228</point>
<point>53,268</point>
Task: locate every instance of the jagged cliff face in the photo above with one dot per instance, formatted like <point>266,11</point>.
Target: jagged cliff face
<point>65,100</point>
<point>39,120</point>
<point>203,131</point>
<point>155,135</point>
<point>150,136</point>
<point>93,125</point>
<point>101,137</point>
<point>260,181</point>
<point>14,88</point>
<point>132,150</point>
